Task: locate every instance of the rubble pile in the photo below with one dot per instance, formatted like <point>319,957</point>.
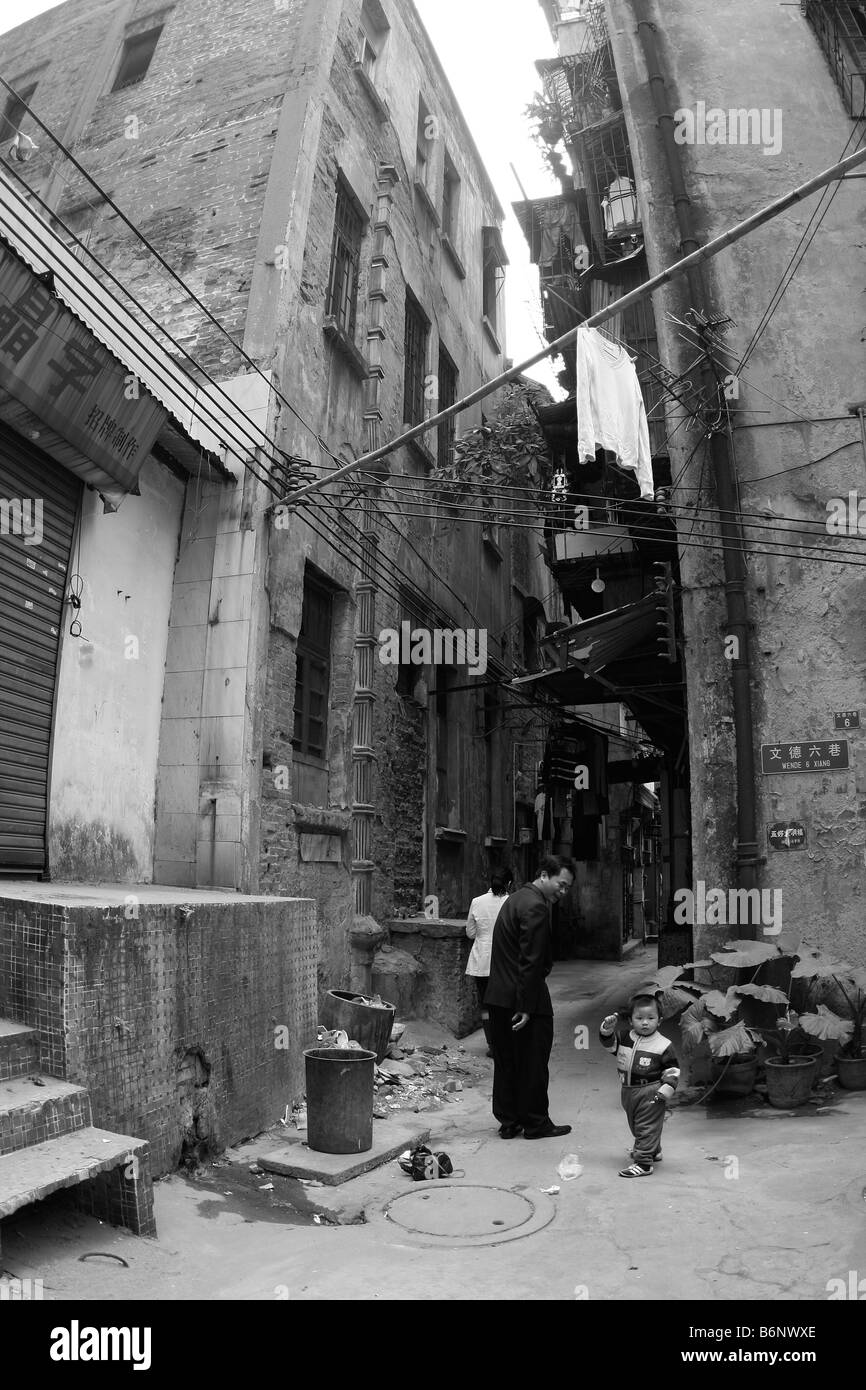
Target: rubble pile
<point>422,1076</point>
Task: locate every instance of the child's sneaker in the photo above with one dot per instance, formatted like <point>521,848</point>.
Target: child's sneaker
<point>635,1170</point>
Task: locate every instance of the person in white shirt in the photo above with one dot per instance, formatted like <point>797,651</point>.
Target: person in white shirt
<point>483,912</point>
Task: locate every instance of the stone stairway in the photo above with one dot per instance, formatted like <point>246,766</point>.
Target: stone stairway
<point>47,1141</point>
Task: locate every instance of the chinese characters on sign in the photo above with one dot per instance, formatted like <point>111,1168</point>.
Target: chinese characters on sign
<point>846,719</point>
<point>784,835</point>
<point>52,364</point>
<point>806,755</point>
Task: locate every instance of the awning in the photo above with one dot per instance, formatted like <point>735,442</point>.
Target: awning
<point>207,414</point>
<point>616,656</point>
<point>595,642</point>
<point>60,386</point>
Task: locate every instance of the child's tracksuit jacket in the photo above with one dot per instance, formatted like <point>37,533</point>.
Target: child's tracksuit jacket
<point>644,1064</point>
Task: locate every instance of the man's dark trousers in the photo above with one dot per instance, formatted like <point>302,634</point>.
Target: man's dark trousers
<point>520,1068</point>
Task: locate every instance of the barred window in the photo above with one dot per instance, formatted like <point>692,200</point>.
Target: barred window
<point>415,360</point>
<point>447,396</point>
<point>345,261</point>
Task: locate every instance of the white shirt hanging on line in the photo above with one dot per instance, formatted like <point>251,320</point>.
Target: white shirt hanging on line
<point>610,408</point>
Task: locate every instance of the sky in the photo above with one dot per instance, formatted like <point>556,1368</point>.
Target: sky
<point>488,49</point>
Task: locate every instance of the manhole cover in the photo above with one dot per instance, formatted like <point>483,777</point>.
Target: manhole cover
<point>458,1213</point>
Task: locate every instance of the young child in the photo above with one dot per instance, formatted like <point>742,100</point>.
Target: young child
<point>649,1074</point>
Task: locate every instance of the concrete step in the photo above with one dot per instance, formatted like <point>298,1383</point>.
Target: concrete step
<point>31,1113</point>
<point>19,1049</point>
<point>114,1167</point>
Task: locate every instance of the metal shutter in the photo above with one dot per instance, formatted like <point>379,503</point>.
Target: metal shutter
<point>32,590</point>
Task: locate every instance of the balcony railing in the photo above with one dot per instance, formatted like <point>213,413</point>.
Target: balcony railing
<point>841,31</point>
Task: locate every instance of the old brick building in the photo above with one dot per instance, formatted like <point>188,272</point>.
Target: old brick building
<point>305,170</point>
<point>680,120</point>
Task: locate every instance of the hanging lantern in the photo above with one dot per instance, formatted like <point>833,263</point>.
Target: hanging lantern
<point>560,485</point>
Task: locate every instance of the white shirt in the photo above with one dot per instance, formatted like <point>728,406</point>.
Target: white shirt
<point>483,913</point>
<point>610,408</point>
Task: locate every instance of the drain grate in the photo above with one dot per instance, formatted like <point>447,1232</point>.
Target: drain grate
<point>459,1213</point>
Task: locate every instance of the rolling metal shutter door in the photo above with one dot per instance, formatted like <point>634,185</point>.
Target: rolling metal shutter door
<point>32,590</point>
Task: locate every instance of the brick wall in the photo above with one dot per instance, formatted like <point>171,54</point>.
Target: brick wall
<point>168,1019</point>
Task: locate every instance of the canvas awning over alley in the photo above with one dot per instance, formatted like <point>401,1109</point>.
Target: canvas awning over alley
<point>615,656</point>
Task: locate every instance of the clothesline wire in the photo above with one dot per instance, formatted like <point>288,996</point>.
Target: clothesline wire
<point>648,534</point>
<point>456,508</point>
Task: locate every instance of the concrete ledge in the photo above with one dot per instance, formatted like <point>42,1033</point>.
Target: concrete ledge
<point>434,927</point>
<point>33,1173</point>
<point>297,1161</point>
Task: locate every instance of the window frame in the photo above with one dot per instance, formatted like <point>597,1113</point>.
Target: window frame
<point>130,42</point>
<point>311,655</point>
<point>345,253</point>
<point>450,200</point>
<point>15,110</point>
<point>494,262</point>
<point>422,144</point>
<point>446,433</point>
<point>414,381</point>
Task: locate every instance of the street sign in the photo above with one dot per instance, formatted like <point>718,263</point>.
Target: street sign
<point>786,835</point>
<point>846,719</point>
<point>805,755</point>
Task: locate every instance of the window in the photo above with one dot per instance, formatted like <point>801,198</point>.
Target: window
<point>450,200</point>
<point>14,112</point>
<point>312,679</point>
<point>345,261</point>
<point>374,32</point>
<point>415,336</point>
<point>445,751</point>
<point>135,58</point>
<point>495,261</point>
<point>422,144</point>
<point>447,396</point>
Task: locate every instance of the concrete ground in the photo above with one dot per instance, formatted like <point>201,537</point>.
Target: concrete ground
<point>760,1205</point>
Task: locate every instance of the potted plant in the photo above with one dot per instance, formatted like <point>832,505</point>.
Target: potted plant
<point>793,1068</point>
<point>845,1026</point>
<point>716,1019</point>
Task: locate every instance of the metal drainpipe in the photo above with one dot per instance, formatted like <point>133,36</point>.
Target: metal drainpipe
<point>746,858</point>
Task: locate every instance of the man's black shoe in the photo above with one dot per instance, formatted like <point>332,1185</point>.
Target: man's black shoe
<point>549,1131</point>
<point>510,1131</point>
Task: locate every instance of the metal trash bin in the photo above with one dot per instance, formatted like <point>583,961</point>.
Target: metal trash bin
<point>339,1099</point>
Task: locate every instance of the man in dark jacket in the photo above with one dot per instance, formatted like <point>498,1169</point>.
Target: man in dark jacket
<point>518,1001</point>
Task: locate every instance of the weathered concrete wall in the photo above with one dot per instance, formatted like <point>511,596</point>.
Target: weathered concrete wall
<point>441,991</point>
<point>796,446</point>
<point>103,769</point>
<point>186,1022</point>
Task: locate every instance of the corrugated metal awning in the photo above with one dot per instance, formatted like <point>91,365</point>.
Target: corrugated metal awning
<point>205,413</point>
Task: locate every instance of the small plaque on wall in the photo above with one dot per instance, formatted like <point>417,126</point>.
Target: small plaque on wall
<point>321,849</point>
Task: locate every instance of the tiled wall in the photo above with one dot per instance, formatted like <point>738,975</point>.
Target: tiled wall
<point>203,796</point>
<point>121,1005</point>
